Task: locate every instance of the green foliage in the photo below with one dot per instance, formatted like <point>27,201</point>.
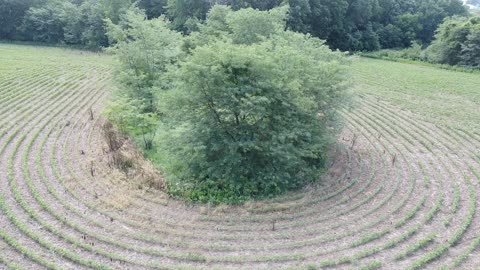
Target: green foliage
<point>58,21</point>
<point>91,25</point>
<point>153,8</point>
<point>11,17</point>
<point>415,52</point>
<point>348,25</point>
<point>115,8</point>
<point>46,23</point>
<point>246,26</point>
<point>145,48</point>
<point>130,118</point>
<point>255,4</point>
<point>457,42</point>
<point>85,25</point>
<point>184,13</point>
<point>250,115</point>
<point>433,12</point>
<point>367,25</point>
<point>324,19</point>
<point>470,54</point>
<point>249,26</point>
<point>245,109</point>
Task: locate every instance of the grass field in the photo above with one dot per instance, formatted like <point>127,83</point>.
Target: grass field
<point>441,96</point>
<point>401,191</point>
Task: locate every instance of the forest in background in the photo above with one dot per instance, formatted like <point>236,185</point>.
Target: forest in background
<point>347,25</point>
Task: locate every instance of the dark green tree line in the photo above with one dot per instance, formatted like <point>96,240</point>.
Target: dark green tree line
<point>365,25</point>
<point>355,25</point>
<point>457,42</point>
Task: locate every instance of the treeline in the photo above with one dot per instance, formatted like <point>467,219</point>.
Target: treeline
<point>354,25</point>
<point>456,43</point>
<point>78,22</point>
<point>367,25</point>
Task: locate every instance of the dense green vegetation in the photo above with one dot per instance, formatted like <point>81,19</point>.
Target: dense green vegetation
<point>457,42</point>
<point>355,25</point>
<point>367,25</point>
<point>456,46</point>
<point>242,107</point>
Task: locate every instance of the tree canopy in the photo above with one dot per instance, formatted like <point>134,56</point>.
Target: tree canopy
<point>246,109</point>
<point>366,25</point>
<point>457,42</point>
<point>349,25</point>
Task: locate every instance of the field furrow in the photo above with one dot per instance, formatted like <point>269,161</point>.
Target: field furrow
<point>401,190</point>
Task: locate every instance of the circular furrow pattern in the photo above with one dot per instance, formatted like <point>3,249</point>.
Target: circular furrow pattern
<point>400,192</point>
<point>456,192</point>
<point>14,216</point>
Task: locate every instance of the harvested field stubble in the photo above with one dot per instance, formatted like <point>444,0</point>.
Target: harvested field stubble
<point>401,191</point>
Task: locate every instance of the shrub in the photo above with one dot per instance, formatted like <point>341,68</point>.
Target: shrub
<point>242,115</point>
<point>251,120</point>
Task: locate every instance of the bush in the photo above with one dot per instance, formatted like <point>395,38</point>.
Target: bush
<point>246,115</point>
<point>145,48</point>
<point>251,120</point>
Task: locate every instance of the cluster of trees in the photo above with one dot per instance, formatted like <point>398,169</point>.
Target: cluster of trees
<point>79,22</point>
<point>367,25</point>
<point>240,108</point>
<point>348,25</point>
<point>355,25</point>
<point>457,42</point>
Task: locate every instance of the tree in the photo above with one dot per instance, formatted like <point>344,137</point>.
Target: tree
<point>359,24</point>
<point>46,23</point>
<point>184,14</point>
<point>245,26</point>
<point>410,27</point>
<point>369,40</point>
<point>249,26</point>
<point>299,12</point>
<point>263,4</point>
<point>456,42</point>
<point>433,12</point>
<point>322,18</point>
<point>115,8</point>
<point>255,4</point>
<point>391,36</point>
<point>250,115</point>
<point>470,54</point>
<point>145,49</point>
<point>153,8</point>
<point>11,17</point>
<point>92,24</point>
